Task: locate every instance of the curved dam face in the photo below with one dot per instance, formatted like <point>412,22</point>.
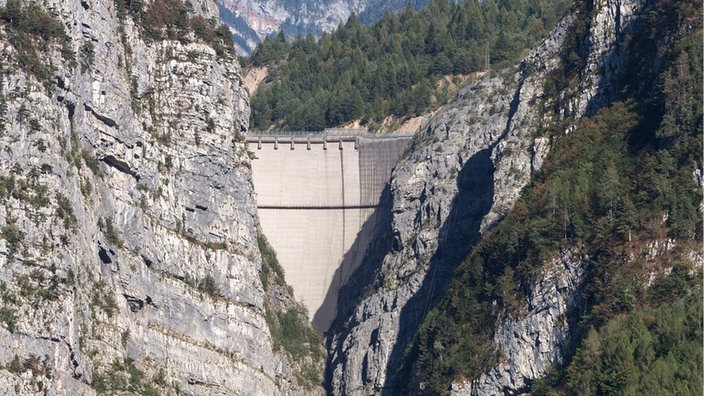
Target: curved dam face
<point>316,198</point>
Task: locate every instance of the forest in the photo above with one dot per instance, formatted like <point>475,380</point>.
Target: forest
<point>399,66</point>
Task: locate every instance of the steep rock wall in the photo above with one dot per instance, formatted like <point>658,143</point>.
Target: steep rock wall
<point>533,342</point>
<point>136,265</point>
<point>463,175</point>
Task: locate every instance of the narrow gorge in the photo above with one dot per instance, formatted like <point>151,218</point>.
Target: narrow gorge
<point>147,235</point>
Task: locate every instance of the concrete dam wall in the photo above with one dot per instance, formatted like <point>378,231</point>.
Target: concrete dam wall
<point>315,194</point>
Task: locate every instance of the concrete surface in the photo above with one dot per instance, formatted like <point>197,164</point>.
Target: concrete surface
<point>314,195</point>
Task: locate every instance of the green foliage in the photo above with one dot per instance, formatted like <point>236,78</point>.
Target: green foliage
<point>393,67</point>
<point>15,366</point>
<point>3,102</point>
<point>170,19</point>
<point>209,286</point>
<point>291,332</point>
<point>605,188</point>
<point>269,263</point>
<point>104,299</point>
<point>64,211</point>
<point>13,236</point>
<point>87,55</point>
<point>8,316</point>
<point>133,8</point>
<point>38,286</point>
<point>111,232</point>
<point>32,28</point>
<point>33,363</point>
<point>91,162</point>
<point>122,375</point>
<point>27,190</point>
<point>649,351</point>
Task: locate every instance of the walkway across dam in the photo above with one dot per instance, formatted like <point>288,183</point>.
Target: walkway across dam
<point>315,192</point>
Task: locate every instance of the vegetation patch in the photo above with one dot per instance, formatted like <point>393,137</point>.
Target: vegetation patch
<point>104,299</point>
<point>111,232</point>
<point>271,268</point>
<point>39,367</point>
<point>31,28</point>
<point>175,20</point>
<point>64,211</point>
<point>14,238</point>
<point>292,334</point>
<point>290,331</point>
<point>9,317</point>
<point>647,351</point>
<point>38,286</point>
<point>123,375</point>
<point>208,286</point>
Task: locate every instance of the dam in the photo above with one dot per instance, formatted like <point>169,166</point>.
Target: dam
<point>316,192</point>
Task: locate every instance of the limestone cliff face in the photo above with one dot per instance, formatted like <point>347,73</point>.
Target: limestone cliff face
<point>534,342</point>
<point>129,256</point>
<point>462,176</point>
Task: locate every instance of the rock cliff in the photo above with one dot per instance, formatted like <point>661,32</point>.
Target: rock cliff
<point>128,257</point>
<point>463,174</point>
<point>534,343</point>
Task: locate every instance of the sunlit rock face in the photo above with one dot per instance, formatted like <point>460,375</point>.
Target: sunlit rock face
<point>129,258</point>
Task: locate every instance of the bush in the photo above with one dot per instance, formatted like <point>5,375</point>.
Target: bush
<point>291,332</point>
<point>13,236</point>
<point>111,232</point>
<point>269,263</point>
<point>209,286</point>
<point>8,316</point>
<point>64,211</point>
<point>169,19</point>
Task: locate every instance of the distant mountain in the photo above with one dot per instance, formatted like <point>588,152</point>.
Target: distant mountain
<point>252,20</point>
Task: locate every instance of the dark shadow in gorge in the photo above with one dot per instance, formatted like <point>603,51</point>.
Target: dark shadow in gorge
<point>368,241</point>
<point>457,237</point>
<point>372,244</point>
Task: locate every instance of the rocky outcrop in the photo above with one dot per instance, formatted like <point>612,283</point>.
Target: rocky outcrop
<point>532,341</point>
<point>128,255</point>
<point>463,174</point>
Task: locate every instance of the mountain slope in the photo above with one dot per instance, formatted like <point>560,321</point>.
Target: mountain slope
<point>607,231</point>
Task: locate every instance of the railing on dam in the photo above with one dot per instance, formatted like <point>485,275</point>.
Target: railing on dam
<point>320,207</point>
<point>324,137</point>
<point>332,134</point>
